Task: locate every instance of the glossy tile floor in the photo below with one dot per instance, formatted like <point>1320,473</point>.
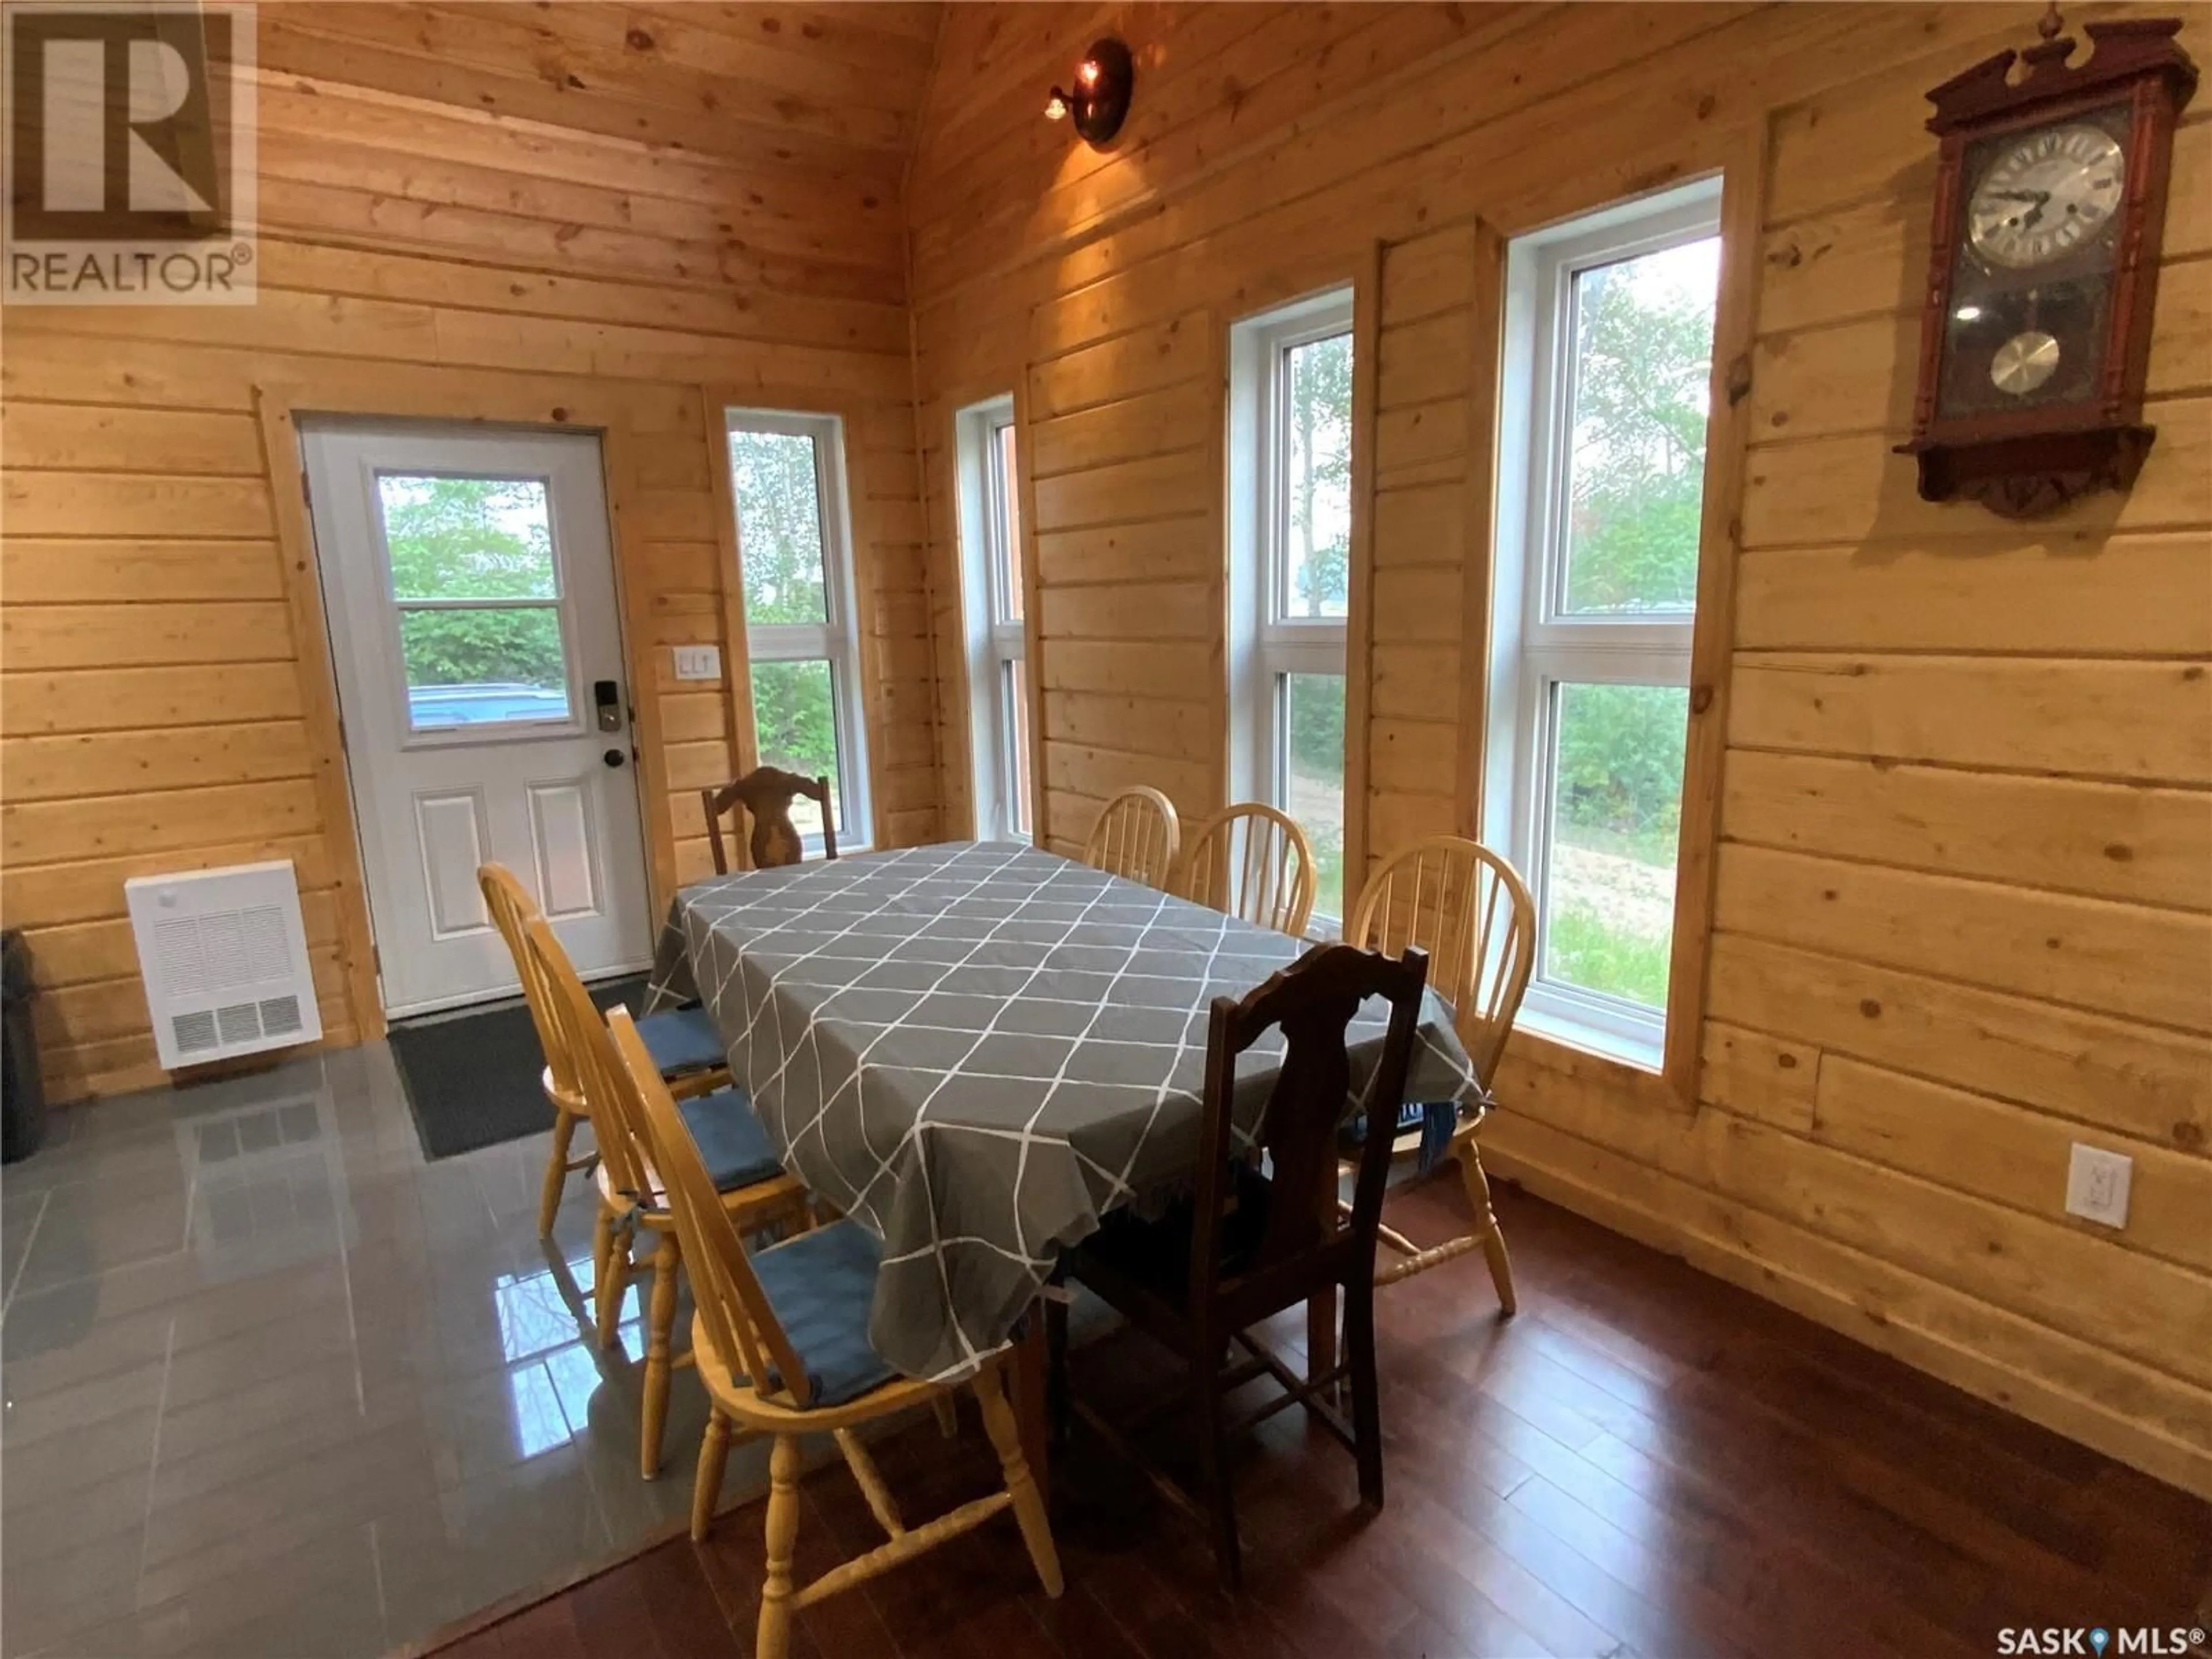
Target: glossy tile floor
<point>275,1386</point>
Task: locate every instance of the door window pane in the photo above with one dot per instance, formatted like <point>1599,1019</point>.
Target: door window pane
<point>1313,777</point>
<point>467,538</point>
<point>1316,543</point>
<point>1008,500</point>
<point>477,666</point>
<point>795,714</point>
<point>779,501</point>
<point>1643,333</point>
<point>1616,810</point>
<point>1018,744</point>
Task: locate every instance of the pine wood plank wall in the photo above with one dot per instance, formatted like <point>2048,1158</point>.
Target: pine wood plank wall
<point>1963,907</point>
<point>500,205</point>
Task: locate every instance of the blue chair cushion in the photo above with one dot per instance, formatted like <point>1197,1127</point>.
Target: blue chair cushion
<point>683,1040</point>
<point>733,1144</point>
<point>822,1284</point>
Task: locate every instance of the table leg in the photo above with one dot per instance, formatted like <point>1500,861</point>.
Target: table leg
<point>1029,1379</point>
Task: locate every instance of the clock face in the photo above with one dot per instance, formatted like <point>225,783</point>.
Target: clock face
<point>2046,195</point>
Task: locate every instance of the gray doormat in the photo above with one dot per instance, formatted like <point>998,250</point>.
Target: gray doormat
<point>471,1079</point>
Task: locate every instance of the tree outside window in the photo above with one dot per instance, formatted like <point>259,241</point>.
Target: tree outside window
<point>776,483</point>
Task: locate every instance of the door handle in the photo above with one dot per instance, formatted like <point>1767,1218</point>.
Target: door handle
<point>612,757</point>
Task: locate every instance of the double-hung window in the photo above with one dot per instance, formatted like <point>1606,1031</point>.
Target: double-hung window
<point>997,639</point>
<point>1609,331</point>
<point>795,557</point>
<point>1289,553</point>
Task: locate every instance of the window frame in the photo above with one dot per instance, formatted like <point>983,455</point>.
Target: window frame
<point>1266,644</point>
<point>992,564</point>
<point>836,639</point>
<point>1535,647</point>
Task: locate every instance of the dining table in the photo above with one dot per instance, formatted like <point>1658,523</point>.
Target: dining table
<point>977,1049</point>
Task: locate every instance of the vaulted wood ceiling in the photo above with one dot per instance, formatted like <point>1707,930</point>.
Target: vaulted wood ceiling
<point>758,149</point>
<point>835,88</point>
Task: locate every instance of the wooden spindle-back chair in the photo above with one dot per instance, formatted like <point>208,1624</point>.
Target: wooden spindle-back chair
<point>766,793</point>
<point>512,910</point>
<point>631,1189</point>
<point>1248,1245</point>
<point>684,1038</point>
<point>760,1382</point>
<point>1472,913</point>
<point>1251,860</point>
<point>1136,835</point>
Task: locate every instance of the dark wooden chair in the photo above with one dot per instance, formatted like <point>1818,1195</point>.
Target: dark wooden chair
<point>1252,1242</point>
<point>766,793</point>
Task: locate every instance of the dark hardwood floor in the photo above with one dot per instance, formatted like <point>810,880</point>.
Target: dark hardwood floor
<point>1644,1462</point>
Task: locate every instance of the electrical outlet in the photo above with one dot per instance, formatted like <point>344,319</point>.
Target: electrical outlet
<point>698,662</point>
<point>2097,1185</point>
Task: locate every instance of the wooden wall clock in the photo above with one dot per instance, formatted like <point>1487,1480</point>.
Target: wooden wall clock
<point>2050,209</point>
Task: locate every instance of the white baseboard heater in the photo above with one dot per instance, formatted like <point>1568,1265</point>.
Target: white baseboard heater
<point>223,955</point>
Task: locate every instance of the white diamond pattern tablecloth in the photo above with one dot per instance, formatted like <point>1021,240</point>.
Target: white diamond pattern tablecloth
<point>977,1048</point>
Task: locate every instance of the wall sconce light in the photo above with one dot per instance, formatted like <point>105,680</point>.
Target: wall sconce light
<point>1100,102</point>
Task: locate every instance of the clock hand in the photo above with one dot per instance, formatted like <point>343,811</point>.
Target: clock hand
<point>2037,200</point>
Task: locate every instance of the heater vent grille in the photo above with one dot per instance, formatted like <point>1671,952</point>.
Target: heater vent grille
<point>224,955</point>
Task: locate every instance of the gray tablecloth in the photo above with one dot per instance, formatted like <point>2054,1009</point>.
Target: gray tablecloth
<point>976,1048</point>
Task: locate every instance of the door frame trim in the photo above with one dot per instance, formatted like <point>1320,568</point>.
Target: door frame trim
<point>378,392</point>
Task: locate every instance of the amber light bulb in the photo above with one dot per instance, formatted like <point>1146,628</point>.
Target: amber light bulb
<point>1087,72</point>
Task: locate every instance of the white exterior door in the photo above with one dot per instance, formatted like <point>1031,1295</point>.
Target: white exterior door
<point>468,577</point>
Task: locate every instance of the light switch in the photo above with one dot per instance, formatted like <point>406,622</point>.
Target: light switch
<point>698,662</point>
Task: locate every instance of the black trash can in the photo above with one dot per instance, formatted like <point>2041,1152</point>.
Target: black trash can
<point>22,1093</point>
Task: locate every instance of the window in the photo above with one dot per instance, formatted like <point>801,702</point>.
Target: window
<point>1608,330</point>
<point>794,553</point>
<point>478,591</point>
<point>998,643</point>
<point>1290,562</point>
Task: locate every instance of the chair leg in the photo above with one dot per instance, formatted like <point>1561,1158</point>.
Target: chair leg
<point>714,1458</point>
<point>773,1639</point>
<point>659,1333</point>
<point>1486,1226</point>
<point>614,1282</point>
<point>1366,1393</point>
<point>1321,1332</point>
<point>1029,1503</point>
<point>948,1416</point>
<point>556,1171</point>
<point>603,1250</point>
<point>1213,1473</point>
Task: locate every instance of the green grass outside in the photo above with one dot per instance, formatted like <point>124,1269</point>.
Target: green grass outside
<point>1583,950</point>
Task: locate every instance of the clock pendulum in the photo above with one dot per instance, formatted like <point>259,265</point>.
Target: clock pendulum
<point>2024,362</point>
